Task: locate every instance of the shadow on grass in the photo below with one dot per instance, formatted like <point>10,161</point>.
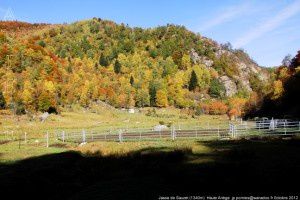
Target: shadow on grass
<point>239,167</point>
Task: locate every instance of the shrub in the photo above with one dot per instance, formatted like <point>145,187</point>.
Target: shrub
<point>199,111</point>
<point>204,107</point>
<point>151,113</point>
<point>161,122</point>
<point>42,43</point>
<point>19,108</point>
<point>217,108</point>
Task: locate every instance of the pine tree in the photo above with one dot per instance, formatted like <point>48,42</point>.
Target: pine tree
<point>193,81</point>
<point>117,67</point>
<point>131,80</point>
<point>152,94</point>
<point>103,60</point>
<point>2,101</point>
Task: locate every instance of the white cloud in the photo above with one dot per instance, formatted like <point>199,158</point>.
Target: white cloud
<point>269,25</point>
<point>229,14</point>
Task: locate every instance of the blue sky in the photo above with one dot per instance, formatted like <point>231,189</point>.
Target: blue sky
<point>267,30</point>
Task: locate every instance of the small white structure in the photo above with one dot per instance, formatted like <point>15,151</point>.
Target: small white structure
<point>131,110</point>
<point>44,116</point>
<point>160,128</point>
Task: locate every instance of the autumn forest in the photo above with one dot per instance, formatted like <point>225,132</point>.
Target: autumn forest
<point>46,67</point>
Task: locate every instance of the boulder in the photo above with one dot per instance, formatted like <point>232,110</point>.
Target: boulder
<point>44,116</point>
<point>160,128</point>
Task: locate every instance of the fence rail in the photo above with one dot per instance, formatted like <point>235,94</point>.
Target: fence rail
<point>123,135</point>
<point>268,128</point>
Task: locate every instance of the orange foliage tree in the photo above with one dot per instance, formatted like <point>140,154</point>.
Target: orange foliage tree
<point>217,108</point>
<point>236,107</point>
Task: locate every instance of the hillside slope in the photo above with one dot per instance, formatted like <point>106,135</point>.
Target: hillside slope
<point>282,99</point>
<point>45,66</point>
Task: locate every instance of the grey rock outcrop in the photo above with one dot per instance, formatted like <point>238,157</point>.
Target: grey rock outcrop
<point>194,56</point>
<point>230,86</point>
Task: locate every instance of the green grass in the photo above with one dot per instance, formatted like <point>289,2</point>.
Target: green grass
<point>103,120</point>
<point>115,148</point>
<point>13,150</point>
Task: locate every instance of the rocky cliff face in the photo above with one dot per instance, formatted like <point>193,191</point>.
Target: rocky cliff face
<point>246,68</point>
<point>230,86</point>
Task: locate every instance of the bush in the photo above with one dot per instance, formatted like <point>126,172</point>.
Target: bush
<point>151,113</point>
<point>204,108</point>
<point>19,108</point>
<point>161,122</point>
<point>42,43</point>
<point>199,111</point>
<point>52,110</point>
<point>169,124</point>
<point>217,108</point>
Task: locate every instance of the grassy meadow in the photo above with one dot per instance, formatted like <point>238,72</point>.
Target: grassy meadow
<point>101,119</point>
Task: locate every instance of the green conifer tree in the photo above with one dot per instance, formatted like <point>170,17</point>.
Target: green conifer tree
<point>193,81</point>
<point>117,67</point>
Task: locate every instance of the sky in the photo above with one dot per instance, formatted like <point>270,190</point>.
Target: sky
<point>267,30</point>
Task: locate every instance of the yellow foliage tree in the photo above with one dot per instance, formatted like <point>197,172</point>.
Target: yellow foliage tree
<point>185,62</point>
<point>278,89</point>
<point>161,98</point>
<point>27,95</point>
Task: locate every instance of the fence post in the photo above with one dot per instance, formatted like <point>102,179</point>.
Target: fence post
<point>218,132</point>
<point>232,130</point>
<point>140,134</point>
<point>47,139</point>
<point>120,136</point>
<point>196,132</point>
<point>25,137</point>
<point>63,136</point>
<point>284,125</point>
<point>173,133</point>
<point>83,136</point>
<point>92,135</point>
<point>55,135</point>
